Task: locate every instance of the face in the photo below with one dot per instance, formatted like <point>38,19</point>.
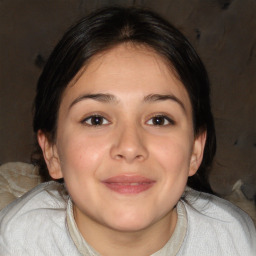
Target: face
<point>125,143</point>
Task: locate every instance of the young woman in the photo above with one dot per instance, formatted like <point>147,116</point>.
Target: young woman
<point>124,124</point>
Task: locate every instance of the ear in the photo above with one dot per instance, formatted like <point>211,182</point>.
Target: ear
<point>197,153</point>
<point>50,155</point>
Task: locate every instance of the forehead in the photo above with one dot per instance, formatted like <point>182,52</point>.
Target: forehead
<point>126,58</point>
<point>127,69</point>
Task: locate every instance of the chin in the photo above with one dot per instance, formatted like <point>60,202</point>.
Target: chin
<point>129,227</point>
<point>130,223</point>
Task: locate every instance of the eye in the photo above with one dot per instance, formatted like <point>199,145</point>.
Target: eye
<point>95,120</point>
<point>160,120</point>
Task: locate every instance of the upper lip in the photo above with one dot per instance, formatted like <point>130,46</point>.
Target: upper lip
<point>128,179</point>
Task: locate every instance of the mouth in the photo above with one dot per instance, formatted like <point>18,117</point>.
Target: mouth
<point>128,184</point>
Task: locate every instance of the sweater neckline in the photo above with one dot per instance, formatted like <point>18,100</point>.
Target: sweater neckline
<point>171,248</point>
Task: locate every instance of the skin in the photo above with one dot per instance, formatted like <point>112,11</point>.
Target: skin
<point>138,135</point>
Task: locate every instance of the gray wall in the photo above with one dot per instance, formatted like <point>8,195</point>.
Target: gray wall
<point>222,31</point>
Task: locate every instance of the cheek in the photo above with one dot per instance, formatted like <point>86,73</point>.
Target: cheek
<point>174,159</point>
<point>80,155</point>
<point>173,153</point>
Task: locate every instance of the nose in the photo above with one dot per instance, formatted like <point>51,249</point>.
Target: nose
<point>129,145</point>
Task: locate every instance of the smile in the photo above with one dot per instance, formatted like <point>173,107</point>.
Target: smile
<point>126,184</point>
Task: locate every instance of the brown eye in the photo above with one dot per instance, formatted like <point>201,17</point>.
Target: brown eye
<point>160,120</point>
<point>95,120</point>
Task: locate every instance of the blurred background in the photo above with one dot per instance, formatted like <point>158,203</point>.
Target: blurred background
<point>222,31</point>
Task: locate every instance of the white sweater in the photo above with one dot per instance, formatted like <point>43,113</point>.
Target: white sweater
<point>41,223</point>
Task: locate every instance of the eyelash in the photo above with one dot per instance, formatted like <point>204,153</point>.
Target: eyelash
<point>167,120</point>
<point>163,120</point>
<point>103,120</point>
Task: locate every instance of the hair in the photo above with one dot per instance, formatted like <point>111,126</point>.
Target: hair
<point>102,30</point>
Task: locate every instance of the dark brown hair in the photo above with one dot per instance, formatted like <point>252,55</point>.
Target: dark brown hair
<point>103,30</point>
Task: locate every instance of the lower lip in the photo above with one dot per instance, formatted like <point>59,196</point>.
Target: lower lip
<point>129,188</point>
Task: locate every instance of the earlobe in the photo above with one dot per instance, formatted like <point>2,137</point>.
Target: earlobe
<point>50,155</point>
<point>197,153</point>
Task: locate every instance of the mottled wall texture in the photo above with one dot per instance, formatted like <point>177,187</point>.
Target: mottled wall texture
<point>222,31</point>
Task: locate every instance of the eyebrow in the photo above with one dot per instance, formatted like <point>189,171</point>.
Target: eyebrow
<point>163,97</point>
<point>109,98</point>
<point>101,97</point>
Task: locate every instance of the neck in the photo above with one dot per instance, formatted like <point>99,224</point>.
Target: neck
<point>109,242</point>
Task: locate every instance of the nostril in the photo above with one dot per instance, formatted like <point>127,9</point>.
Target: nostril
<point>139,157</point>
<point>119,156</point>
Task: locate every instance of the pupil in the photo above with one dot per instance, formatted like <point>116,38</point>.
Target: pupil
<point>97,120</point>
<point>158,120</point>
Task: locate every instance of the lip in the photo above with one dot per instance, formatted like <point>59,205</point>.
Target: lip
<point>128,184</point>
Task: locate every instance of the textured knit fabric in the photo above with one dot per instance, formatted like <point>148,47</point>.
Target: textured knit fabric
<point>171,248</point>
<point>42,223</point>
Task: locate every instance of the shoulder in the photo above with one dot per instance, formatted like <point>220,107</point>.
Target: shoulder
<point>30,219</point>
<point>215,221</point>
<point>215,208</point>
<point>49,195</point>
